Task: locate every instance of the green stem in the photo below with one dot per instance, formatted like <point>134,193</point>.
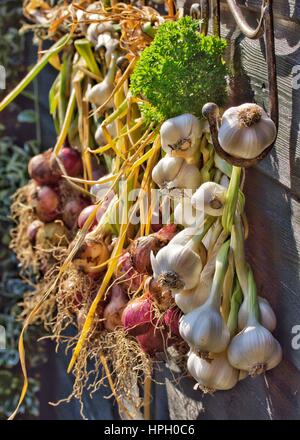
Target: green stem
<point>83,47</point>
<point>235,304</point>
<point>231,199</point>
<point>66,124</point>
<point>252,303</point>
<point>220,271</point>
<point>55,49</point>
<point>237,243</point>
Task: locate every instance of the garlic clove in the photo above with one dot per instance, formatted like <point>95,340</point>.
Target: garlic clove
<point>205,330</point>
<point>176,267</point>
<point>99,93</point>
<point>267,315</point>
<point>246,131</point>
<point>214,375</point>
<point>255,350</point>
<point>210,198</point>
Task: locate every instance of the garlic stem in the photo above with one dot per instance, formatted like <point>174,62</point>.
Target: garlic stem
<point>235,304</point>
<point>197,238</point>
<point>237,243</point>
<point>220,271</point>
<point>231,199</point>
<point>253,307</point>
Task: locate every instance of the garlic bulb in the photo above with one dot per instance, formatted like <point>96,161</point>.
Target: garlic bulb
<point>173,173</point>
<point>109,44</point>
<point>99,93</point>
<point>188,300</point>
<point>214,375</point>
<point>267,316</point>
<point>204,329</point>
<point>99,135</point>
<point>246,131</point>
<point>210,198</point>
<point>185,214</point>
<point>254,349</point>
<point>180,136</point>
<point>176,267</point>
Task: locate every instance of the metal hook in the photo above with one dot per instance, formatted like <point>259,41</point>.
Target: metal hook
<point>244,27</point>
<point>211,110</point>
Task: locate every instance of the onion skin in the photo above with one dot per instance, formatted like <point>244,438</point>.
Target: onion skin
<point>162,297</point>
<point>71,161</point>
<point>113,311</point>
<point>131,280</point>
<point>47,204</point>
<point>42,169</point>
<point>137,316</point>
<point>51,234</point>
<point>83,216</point>
<point>141,248</point>
<point>171,319</point>
<point>32,230</point>
<point>72,210</point>
<point>155,341</point>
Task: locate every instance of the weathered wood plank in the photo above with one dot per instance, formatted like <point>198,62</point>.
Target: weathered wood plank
<point>274,250</point>
<point>269,397</point>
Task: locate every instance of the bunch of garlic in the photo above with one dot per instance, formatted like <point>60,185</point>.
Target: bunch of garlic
<point>102,34</point>
<point>204,267</point>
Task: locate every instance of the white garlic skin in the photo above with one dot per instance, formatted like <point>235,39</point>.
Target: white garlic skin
<point>215,375</point>
<point>100,92</point>
<point>267,315</point>
<point>204,330</point>
<point>210,198</point>
<point>246,142</point>
<point>254,349</point>
<point>181,261</point>
<point>108,43</point>
<point>176,173</point>
<point>185,214</point>
<point>180,136</point>
<point>188,300</point>
<point>166,170</point>
<point>99,135</point>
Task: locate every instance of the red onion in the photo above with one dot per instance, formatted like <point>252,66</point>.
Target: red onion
<point>84,215</point>
<point>42,170</point>
<point>47,204</point>
<point>130,278</point>
<point>171,319</point>
<point>113,311</point>
<point>142,247</point>
<point>71,211</point>
<point>137,316</point>
<point>32,230</point>
<point>156,340</point>
<point>71,161</point>
<point>104,205</point>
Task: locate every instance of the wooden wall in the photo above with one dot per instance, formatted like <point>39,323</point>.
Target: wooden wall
<point>273,209</point>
